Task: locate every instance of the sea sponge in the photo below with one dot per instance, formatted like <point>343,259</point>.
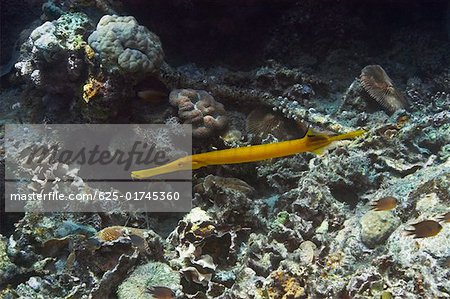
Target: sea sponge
<point>197,107</point>
<point>285,285</point>
<point>380,87</point>
<point>92,88</point>
<point>125,45</point>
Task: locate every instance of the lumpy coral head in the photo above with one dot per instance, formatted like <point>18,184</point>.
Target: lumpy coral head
<point>125,45</point>
<point>199,108</point>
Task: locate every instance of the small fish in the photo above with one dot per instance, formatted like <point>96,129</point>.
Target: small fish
<point>161,292</point>
<point>445,218</point>
<point>384,204</point>
<point>424,229</point>
<point>152,95</point>
<point>138,242</point>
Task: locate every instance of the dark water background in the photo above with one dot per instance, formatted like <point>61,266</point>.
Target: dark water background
<point>237,33</point>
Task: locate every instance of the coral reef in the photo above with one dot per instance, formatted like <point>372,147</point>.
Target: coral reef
<point>365,219</point>
<point>53,9</point>
<point>52,63</point>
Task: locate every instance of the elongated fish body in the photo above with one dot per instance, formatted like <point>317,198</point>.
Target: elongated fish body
<point>309,143</point>
<point>258,152</point>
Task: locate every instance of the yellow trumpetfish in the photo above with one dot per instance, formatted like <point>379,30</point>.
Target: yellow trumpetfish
<point>315,143</point>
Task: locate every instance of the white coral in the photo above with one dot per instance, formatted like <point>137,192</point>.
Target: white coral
<point>44,41</point>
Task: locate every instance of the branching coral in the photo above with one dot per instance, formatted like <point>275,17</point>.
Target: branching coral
<point>199,108</point>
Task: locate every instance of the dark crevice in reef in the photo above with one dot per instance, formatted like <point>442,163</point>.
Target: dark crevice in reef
<point>345,194</point>
<point>243,34</point>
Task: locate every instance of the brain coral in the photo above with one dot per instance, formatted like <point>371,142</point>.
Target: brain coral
<point>197,107</point>
<point>124,44</point>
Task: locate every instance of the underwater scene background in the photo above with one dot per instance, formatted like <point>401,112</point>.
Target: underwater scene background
<point>367,218</point>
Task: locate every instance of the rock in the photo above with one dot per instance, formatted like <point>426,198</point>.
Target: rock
<point>376,227</point>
